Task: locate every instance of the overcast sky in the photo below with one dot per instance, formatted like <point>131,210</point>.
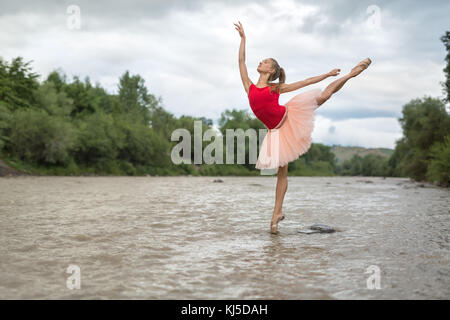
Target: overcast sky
<point>187,52</point>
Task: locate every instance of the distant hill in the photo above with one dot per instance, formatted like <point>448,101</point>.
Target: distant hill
<point>346,153</point>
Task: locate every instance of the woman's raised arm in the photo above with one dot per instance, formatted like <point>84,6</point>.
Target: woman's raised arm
<point>242,67</point>
<point>303,83</point>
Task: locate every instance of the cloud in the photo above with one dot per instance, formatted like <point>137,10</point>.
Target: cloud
<point>366,132</point>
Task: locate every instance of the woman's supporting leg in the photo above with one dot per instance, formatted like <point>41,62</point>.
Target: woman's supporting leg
<point>282,184</point>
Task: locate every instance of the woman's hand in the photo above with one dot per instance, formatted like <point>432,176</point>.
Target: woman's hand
<point>240,29</point>
<point>334,72</point>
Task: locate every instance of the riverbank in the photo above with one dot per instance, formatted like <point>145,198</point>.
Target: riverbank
<point>13,167</point>
<point>7,171</point>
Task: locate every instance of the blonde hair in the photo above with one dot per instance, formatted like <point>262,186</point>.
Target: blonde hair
<point>278,74</point>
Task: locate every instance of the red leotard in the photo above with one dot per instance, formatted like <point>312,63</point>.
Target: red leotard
<point>265,106</point>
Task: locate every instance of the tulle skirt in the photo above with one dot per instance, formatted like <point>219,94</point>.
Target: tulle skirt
<point>293,138</point>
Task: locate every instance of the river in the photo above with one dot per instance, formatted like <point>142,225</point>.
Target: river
<point>192,238</point>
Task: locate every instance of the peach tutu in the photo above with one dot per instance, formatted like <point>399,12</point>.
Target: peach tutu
<point>293,138</point>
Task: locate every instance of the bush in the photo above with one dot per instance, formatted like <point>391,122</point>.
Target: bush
<point>38,137</point>
<point>5,120</point>
<point>438,169</point>
<point>98,139</point>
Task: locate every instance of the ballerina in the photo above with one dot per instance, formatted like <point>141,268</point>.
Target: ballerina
<point>289,126</point>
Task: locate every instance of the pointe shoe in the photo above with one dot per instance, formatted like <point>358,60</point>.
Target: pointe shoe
<point>362,65</point>
<point>274,226</point>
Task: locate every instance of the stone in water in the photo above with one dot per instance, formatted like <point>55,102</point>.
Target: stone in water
<point>318,228</point>
<point>322,228</point>
<point>308,231</point>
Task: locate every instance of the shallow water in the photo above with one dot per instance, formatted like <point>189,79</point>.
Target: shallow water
<point>191,238</point>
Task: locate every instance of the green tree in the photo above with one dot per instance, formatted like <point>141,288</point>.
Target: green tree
<point>5,120</point>
<point>374,165</point>
<point>397,161</point>
<point>439,166</point>
<point>163,122</point>
<point>233,119</point>
<point>17,83</point>
<point>40,138</point>
<point>53,102</point>
<point>142,145</point>
<point>134,96</point>
<point>84,97</point>
<point>58,78</point>
<point>98,139</point>
<point>424,122</point>
<point>446,85</point>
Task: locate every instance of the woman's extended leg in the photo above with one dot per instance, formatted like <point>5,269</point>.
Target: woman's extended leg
<point>337,84</point>
<point>282,184</point>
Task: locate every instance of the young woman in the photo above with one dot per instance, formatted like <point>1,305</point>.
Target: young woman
<point>290,126</point>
